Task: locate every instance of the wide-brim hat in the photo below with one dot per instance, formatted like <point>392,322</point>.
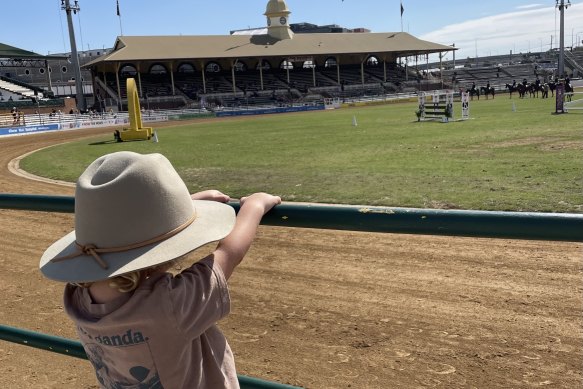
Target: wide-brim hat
<point>132,212</point>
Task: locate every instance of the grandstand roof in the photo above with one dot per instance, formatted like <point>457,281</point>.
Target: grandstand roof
<point>158,48</point>
<point>7,51</point>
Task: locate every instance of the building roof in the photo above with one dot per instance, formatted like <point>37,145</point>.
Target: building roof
<point>166,48</point>
<point>11,52</point>
<point>7,51</point>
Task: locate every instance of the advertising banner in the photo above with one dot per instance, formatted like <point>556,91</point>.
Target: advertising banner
<point>28,130</point>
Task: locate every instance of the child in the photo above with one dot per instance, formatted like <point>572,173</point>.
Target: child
<point>140,326</point>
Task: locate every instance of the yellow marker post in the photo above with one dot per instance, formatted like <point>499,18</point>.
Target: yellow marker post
<point>135,131</point>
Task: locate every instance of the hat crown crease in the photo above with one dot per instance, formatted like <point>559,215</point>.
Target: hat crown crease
<point>128,199</point>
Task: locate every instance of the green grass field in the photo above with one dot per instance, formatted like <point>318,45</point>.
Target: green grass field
<point>528,160</point>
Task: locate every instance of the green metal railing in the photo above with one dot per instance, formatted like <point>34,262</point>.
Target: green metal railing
<point>74,348</point>
<point>486,224</point>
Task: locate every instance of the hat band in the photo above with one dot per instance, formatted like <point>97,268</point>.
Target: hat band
<point>94,251</point>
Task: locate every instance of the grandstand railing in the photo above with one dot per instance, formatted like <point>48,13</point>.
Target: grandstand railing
<point>508,225</point>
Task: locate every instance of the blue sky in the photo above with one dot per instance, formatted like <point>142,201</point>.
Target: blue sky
<point>485,27</point>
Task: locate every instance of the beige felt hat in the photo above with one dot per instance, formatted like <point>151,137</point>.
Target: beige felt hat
<point>132,211</point>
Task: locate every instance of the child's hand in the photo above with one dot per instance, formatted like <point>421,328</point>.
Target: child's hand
<point>211,195</point>
<point>264,200</point>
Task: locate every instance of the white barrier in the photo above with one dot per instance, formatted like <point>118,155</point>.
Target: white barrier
<point>442,106</point>
<point>575,103</point>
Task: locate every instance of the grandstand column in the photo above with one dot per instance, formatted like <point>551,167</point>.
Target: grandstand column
<point>171,68</point>
<point>138,68</point>
<point>314,72</point>
<point>417,65</point>
<point>362,70</point>
<point>441,69</point>
<point>119,104</point>
<point>202,70</point>
<point>261,72</point>
<point>427,65</point>
<point>338,69</point>
<point>233,64</point>
<point>385,69</point>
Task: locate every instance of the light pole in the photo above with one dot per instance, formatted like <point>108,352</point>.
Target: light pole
<point>562,6</point>
<point>66,5</point>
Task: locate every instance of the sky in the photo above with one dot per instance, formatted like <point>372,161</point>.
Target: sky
<point>484,27</point>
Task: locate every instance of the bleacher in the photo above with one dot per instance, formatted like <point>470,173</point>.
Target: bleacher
<point>497,77</point>
<point>303,79</point>
<point>395,74</point>
<point>18,89</point>
<point>276,88</point>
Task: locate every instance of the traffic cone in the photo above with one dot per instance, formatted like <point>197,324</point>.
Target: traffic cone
<point>155,137</point>
<point>354,123</point>
<point>513,107</point>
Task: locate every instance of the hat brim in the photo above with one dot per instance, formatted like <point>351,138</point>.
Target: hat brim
<point>213,222</point>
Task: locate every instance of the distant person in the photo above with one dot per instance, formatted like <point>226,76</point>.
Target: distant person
<point>140,326</point>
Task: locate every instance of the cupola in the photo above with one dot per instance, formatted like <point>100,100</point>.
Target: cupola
<point>277,15</point>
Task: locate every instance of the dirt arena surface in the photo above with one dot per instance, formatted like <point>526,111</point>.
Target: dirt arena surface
<point>330,309</point>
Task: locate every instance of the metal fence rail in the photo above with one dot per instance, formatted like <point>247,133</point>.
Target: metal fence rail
<point>484,224</point>
<point>74,348</point>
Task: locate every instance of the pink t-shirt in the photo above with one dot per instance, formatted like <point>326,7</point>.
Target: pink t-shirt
<point>163,335</point>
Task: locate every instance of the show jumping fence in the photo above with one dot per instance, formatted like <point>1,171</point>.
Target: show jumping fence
<point>442,106</point>
<point>573,102</point>
<point>486,224</point>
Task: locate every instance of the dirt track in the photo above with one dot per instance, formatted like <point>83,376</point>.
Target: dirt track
<point>328,309</point>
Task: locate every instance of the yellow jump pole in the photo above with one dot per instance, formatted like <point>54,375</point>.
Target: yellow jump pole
<point>135,131</point>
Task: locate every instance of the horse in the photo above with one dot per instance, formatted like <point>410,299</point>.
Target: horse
<point>535,88</point>
<point>511,89</point>
<point>521,88</point>
<point>569,91</point>
<point>545,91</point>
<point>487,90</point>
<point>532,91</point>
<point>552,87</point>
<point>474,92</point>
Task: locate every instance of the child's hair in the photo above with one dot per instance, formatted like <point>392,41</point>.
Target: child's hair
<point>130,281</point>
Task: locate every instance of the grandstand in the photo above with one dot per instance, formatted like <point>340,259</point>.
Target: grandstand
<point>278,63</point>
<point>299,63</point>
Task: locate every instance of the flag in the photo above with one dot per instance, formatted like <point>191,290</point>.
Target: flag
<point>402,9</point>
<point>118,14</point>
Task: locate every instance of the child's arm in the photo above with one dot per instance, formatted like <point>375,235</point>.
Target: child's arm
<point>231,250</point>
